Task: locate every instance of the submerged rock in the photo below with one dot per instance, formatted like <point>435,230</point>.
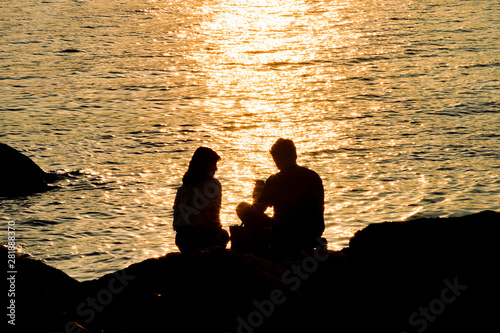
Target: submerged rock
<point>432,275</point>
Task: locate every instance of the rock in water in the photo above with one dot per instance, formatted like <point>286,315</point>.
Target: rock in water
<point>19,175</point>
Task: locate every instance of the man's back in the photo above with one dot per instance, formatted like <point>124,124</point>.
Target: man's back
<point>297,196</point>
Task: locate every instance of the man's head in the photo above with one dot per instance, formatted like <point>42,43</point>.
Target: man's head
<point>284,153</point>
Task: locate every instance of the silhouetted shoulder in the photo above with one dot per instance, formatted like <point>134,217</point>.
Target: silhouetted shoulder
<point>309,172</point>
<point>308,175</point>
<point>293,174</point>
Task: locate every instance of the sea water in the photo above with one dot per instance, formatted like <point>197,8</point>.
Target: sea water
<point>395,103</point>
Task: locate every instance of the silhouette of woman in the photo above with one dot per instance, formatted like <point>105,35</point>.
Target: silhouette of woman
<point>197,205</point>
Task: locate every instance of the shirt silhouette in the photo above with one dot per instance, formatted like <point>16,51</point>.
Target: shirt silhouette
<point>296,194</point>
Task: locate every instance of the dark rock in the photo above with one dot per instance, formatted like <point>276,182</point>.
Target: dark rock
<point>402,268</point>
<point>205,291</point>
<point>43,295</point>
<point>19,175</point>
<point>432,275</point>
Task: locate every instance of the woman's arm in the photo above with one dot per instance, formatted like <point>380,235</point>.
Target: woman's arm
<point>212,211</point>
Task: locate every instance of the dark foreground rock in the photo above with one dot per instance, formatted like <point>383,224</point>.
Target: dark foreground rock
<point>426,275</point>
<point>42,294</point>
<point>19,175</point>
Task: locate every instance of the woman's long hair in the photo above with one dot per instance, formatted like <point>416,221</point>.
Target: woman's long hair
<point>204,159</point>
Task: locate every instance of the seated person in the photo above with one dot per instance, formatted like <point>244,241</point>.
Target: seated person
<point>297,196</point>
<point>197,205</point>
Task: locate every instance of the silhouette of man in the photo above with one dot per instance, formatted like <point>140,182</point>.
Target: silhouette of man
<point>297,196</point>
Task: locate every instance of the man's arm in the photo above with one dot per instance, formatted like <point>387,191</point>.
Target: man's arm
<point>265,200</point>
<point>318,197</point>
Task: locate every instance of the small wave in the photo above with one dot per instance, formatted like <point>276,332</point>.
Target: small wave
<point>233,128</point>
<point>366,96</point>
<point>70,50</point>
<point>95,253</point>
<point>40,222</point>
<point>23,78</point>
<point>25,42</point>
<point>494,64</point>
<point>13,109</point>
<point>360,78</point>
<point>154,144</point>
<point>335,151</point>
<point>261,51</point>
<point>359,60</point>
<point>57,175</point>
<point>98,214</point>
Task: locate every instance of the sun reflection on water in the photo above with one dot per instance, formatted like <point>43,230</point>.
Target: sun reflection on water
<point>260,59</point>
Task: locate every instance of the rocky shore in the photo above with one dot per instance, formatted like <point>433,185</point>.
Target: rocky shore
<point>426,275</point>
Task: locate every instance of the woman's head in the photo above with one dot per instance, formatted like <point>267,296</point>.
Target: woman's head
<point>203,165</point>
